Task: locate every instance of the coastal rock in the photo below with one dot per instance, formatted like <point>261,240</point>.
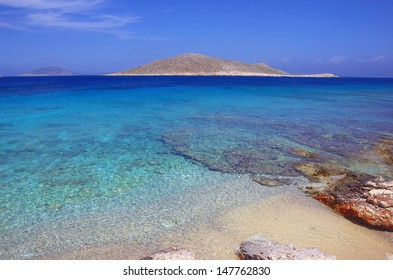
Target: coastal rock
<point>173,253</point>
<point>361,197</point>
<point>259,248</point>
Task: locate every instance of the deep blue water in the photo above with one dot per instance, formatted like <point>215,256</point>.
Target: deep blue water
<point>79,147</point>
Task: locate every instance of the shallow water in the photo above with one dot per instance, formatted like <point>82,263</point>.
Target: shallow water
<point>87,161</point>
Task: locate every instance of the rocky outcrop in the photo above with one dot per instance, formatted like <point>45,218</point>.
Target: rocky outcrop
<point>259,248</point>
<point>173,253</point>
<point>360,197</point>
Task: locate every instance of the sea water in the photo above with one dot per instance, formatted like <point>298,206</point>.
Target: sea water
<point>87,161</point>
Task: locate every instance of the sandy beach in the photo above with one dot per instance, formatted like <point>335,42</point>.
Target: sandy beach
<point>288,217</point>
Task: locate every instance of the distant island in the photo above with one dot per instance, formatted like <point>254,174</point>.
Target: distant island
<point>201,65</point>
<point>50,71</point>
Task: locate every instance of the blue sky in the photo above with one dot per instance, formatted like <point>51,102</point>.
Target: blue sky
<point>348,38</point>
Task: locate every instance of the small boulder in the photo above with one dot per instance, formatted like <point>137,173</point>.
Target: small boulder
<point>259,248</point>
<point>173,253</point>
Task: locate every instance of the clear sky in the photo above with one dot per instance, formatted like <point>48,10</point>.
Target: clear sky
<point>348,38</point>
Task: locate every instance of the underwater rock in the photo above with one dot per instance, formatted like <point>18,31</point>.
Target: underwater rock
<point>361,197</point>
<point>303,153</point>
<point>347,145</point>
<point>173,253</point>
<point>270,182</point>
<point>384,149</point>
<point>229,152</point>
<point>319,172</point>
<point>259,248</point>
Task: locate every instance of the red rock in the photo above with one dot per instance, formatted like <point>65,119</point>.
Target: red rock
<point>360,198</point>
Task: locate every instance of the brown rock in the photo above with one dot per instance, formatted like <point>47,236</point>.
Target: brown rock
<point>259,248</point>
<point>173,253</point>
<point>363,198</point>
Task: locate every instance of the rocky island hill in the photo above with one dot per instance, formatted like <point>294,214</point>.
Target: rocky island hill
<point>200,65</point>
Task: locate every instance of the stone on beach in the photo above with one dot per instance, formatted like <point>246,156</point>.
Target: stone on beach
<point>173,253</point>
<point>259,248</point>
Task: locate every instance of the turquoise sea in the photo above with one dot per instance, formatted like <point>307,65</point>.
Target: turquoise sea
<point>86,161</point>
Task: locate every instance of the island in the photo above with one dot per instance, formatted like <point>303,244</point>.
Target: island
<point>50,71</point>
<point>193,64</point>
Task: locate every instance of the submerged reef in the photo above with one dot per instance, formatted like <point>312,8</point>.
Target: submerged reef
<point>257,146</point>
<point>229,153</point>
<point>260,147</point>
